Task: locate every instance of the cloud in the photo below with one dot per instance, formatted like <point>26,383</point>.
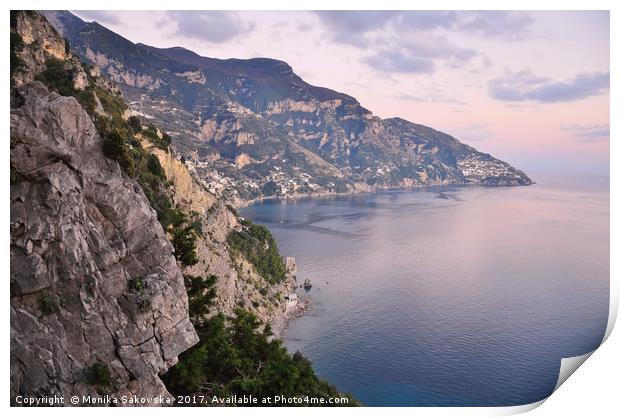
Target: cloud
<point>496,23</point>
<point>209,26</point>
<point>434,97</point>
<point>390,60</point>
<point>589,133</point>
<point>426,20</point>
<point>348,25</point>
<point>416,55</point>
<point>101,16</point>
<point>410,97</point>
<point>351,27</point>
<point>477,132</point>
<point>525,86</point>
<point>594,134</point>
<point>414,42</point>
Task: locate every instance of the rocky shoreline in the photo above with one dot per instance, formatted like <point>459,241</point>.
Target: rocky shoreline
<point>280,323</point>
<point>295,305</point>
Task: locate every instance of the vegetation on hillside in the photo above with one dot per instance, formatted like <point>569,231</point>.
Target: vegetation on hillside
<point>258,246</point>
<point>235,357</point>
<point>160,139</point>
<point>99,376</point>
<point>16,45</point>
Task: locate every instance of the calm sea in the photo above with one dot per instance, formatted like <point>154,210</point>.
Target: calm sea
<point>449,296</point>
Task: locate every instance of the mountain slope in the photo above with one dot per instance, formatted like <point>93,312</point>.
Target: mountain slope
<point>254,128</point>
<point>123,266</point>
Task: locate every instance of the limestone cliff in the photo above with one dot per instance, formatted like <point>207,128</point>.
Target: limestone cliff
<point>30,28</point>
<point>81,232</point>
<point>186,190</point>
<point>238,284</point>
<point>82,235</point>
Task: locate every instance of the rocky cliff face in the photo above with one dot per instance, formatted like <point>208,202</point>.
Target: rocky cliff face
<point>33,29</point>
<point>238,284</point>
<point>253,128</point>
<point>81,233</point>
<point>98,301</point>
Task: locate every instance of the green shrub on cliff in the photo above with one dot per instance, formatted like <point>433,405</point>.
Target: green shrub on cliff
<point>134,123</point>
<point>184,242</point>
<point>99,376</point>
<point>152,135</point>
<point>201,295</point>
<point>258,246</point>
<point>115,147</point>
<point>154,167</point>
<point>17,44</point>
<point>235,357</point>
<point>48,303</point>
<point>136,285</point>
<point>56,76</point>
<point>112,104</point>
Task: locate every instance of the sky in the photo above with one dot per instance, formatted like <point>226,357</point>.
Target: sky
<point>531,88</point>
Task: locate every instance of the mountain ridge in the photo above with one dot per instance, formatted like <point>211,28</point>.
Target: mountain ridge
<point>253,128</point>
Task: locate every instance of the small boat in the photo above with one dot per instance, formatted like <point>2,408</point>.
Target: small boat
<point>307,284</point>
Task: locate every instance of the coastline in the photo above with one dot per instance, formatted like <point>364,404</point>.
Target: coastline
<point>239,203</point>
<point>280,323</point>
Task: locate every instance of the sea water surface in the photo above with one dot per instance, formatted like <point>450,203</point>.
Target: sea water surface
<point>449,296</point>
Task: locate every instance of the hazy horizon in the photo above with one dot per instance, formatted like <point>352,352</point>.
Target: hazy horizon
<point>518,85</point>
